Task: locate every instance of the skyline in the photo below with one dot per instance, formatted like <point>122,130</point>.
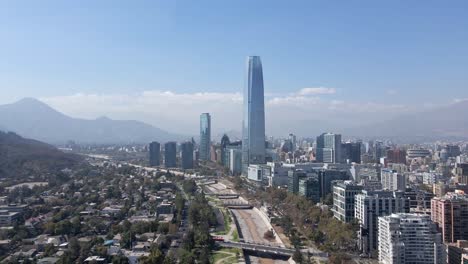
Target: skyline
<point>346,62</point>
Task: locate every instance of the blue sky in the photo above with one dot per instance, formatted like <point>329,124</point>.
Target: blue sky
<point>370,52</point>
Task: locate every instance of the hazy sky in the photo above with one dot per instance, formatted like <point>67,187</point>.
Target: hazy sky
<point>165,62</point>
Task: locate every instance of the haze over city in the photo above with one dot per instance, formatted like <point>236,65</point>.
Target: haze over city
<point>333,64</point>
<point>233,132</point>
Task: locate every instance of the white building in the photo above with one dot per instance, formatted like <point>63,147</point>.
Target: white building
<point>392,180</point>
<point>409,238</point>
<point>368,206</point>
<point>259,173</point>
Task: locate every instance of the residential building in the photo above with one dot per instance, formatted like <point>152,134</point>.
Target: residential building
<point>455,252</point>
<point>396,156</point>
<point>344,193</point>
<point>253,128</point>
<point>409,238</point>
<point>392,180</point>
<point>450,213</point>
<point>8,218</point>
<point>205,136</point>
<point>368,206</point>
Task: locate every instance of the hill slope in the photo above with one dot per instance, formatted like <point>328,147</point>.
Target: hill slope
<point>21,157</point>
<point>33,119</point>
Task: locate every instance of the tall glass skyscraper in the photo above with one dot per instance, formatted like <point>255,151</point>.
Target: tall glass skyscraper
<point>205,136</point>
<point>253,127</point>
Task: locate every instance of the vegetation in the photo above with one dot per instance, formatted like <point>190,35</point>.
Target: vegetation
<point>302,219</point>
<point>198,243</point>
<point>23,157</point>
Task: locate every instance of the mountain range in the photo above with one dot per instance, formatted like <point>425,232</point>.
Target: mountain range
<point>32,118</point>
<point>447,122</point>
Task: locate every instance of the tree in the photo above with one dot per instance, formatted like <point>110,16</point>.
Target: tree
<point>269,235</point>
<point>119,259</point>
<point>156,257</point>
<point>297,256</point>
<point>49,250</point>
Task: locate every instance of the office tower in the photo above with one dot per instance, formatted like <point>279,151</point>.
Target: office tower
<point>326,178</point>
<point>329,148</point>
<point>450,213</point>
<point>205,136</point>
<point>304,184</point>
<point>351,152</point>
<point>293,180</point>
<point>343,199</point>
<point>452,150</point>
<point>235,161</point>
<point>170,150</point>
<point>392,181</point>
<point>253,128</point>
<point>309,187</point>
<point>369,205</point>
<point>224,143</point>
<point>186,155</point>
<point>154,153</point>
<point>226,153</point>
<point>292,138</point>
<point>409,238</point>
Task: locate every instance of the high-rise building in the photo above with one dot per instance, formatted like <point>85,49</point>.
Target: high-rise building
<point>326,178</point>
<point>396,156</point>
<point>186,155</point>
<point>205,136</point>
<point>309,187</point>
<point>351,152</point>
<point>409,238</point>
<point>253,128</point>
<point>329,148</point>
<point>154,153</point>
<point>170,153</point>
<point>226,152</point>
<point>224,143</point>
<point>292,138</point>
<point>235,161</point>
<point>450,213</point>
<point>343,199</point>
<point>369,205</point>
<point>392,181</point>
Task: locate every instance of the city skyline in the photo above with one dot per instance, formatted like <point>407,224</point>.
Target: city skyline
<point>373,60</point>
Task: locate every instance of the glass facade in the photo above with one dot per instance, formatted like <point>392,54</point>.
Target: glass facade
<point>205,136</point>
<point>253,128</point>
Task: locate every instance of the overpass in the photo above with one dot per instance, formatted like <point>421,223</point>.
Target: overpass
<point>227,195</point>
<point>237,205</point>
<point>260,248</point>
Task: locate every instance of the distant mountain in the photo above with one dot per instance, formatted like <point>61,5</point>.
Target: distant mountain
<point>446,122</point>
<point>21,157</point>
<point>32,118</point>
